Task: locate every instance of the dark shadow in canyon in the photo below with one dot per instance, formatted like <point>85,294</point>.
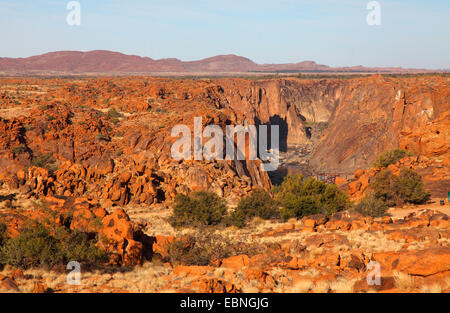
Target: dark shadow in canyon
<point>283,128</point>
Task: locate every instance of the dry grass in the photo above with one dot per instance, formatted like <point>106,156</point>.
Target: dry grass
<point>250,287</point>
<point>143,278</point>
<point>301,286</point>
<point>311,272</point>
<point>315,251</point>
<point>372,241</point>
<point>321,287</point>
<point>434,288</point>
<point>342,285</point>
<point>403,280</point>
<point>447,282</point>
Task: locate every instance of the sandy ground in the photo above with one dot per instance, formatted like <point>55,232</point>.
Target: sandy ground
<point>434,205</point>
<point>14,112</point>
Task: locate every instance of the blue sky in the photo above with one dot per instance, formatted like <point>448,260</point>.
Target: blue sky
<point>413,33</point>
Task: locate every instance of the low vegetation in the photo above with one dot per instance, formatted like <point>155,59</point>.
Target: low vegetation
<point>114,115</point>
<point>46,161</point>
<point>36,246</point>
<point>301,197</point>
<point>257,204</point>
<point>18,150</point>
<point>2,233</point>
<point>390,157</point>
<point>198,209</point>
<point>407,187</point>
<point>371,206</point>
<point>297,197</point>
<point>207,248</point>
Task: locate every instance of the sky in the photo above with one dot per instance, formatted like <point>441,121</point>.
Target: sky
<point>413,33</point>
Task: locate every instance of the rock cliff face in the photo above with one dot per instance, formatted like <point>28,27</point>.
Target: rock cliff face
<point>284,102</point>
<point>378,114</point>
<point>365,116</point>
<point>94,130</point>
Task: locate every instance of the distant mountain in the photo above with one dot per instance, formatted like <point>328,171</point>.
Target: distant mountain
<point>101,61</point>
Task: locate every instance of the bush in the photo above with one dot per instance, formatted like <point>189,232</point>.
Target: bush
<point>115,120</point>
<point>197,250</point>
<point>371,206</point>
<point>46,161</point>
<point>206,248</point>
<point>257,204</point>
<point>300,197</point>
<point>114,114</point>
<point>199,209</point>
<point>407,187</point>
<point>77,246</point>
<point>36,246</point>
<point>390,157</point>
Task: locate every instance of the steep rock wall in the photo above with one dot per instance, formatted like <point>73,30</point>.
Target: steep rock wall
<point>378,114</point>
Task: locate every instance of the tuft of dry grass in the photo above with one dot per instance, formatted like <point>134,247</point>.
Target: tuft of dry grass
<point>342,285</point>
<point>250,288</point>
<point>403,280</point>
<point>302,286</point>
<point>321,287</point>
<point>434,288</point>
<point>315,251</point>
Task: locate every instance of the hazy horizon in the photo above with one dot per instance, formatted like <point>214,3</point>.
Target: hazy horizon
<point>412,34</point>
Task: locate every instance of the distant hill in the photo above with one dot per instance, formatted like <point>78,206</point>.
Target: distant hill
<point>101,61</point>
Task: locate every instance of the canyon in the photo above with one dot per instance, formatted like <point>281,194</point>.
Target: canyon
<point>99,149</point>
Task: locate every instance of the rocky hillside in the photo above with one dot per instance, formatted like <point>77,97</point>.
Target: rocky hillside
<point>100,128</point>
<point>92,155</point>
<point>315,255</point>
<point>109,139</point>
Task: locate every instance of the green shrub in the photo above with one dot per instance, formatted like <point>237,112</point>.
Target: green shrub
<point>46,161</point>
<point>299,197</point>
<point>407,187</point>
<point>410,186</point>
<point>257,204</point>
<point>35,246</point>
<point>390,157</point>
<point>371,206</point>
<point>199,209</point>
<point>77,246</point>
